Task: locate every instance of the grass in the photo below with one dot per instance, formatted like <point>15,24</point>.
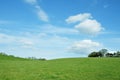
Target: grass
<point>61,69</point>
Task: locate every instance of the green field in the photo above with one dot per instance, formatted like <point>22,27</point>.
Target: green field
<point>60,69</point>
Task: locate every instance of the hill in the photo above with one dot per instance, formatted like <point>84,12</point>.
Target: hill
<point>61,69</point>
<point>4,56</point>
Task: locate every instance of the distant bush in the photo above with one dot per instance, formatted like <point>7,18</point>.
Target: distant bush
<point>104,53</point>
<point>116,54</point>
<point>95,54</point>
<point>43,59</point>
<point>34,58</point>
<point>109,55</point>
<point>3,54</point>
<point>100,53</point>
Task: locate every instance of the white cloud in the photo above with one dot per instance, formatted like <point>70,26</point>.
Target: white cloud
<point>15,40</point>
<point>51,29</point>
<point>4,38</point>
<point>90,27</point>
<point>84,47</point>
<point>33,2</point>
<point>41,14</point>
<point>26,42</point>
<point>45,40</point>
<point>39,11</point>
<point>87,25</point>
<point>78,18</point>
<point>34,44</point>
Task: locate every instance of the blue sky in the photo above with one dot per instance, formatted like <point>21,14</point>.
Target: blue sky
<point>58,28</point>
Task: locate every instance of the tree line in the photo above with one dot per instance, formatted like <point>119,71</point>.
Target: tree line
<point>2,54</point>
<point>104,53</point>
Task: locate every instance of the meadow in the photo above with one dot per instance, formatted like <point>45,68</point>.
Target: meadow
<point>60,69</point>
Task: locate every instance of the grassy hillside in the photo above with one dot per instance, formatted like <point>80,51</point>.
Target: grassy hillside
<point>4,56</point>
<point>61,69</point>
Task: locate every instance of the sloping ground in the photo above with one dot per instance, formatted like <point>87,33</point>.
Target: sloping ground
<point>61,69</point>
<point>4,56</point>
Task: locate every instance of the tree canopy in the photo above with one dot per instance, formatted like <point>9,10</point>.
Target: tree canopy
<point>104,53</point>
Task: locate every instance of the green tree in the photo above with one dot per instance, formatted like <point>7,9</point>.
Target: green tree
<point>117,54</point>
<point>109,55</point>
<point>95,54</point>
<point>103,52</point>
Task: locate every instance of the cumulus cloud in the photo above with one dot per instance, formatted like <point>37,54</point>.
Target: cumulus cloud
<point>84,47</point>
<point>78,17</point>
<point>39,11</point>
<point>87,25</point>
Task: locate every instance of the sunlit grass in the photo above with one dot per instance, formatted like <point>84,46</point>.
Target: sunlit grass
<point>61,69</point>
